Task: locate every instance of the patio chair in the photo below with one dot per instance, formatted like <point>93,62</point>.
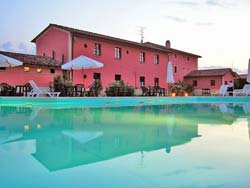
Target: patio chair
<point>6,89</point>
<point>221,92</point>
<point>79,90</point>
<point>243,92</point>
<point>36,91</point>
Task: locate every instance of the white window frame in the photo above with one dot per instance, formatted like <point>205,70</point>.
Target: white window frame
<point>118,53</point>
<point>142,57</point>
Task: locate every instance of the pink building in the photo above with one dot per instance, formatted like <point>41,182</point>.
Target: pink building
<point>210,79</point>
<point>134,63</point>
<point>38,68</point>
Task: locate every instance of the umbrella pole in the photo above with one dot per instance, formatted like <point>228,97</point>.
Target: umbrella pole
<point>169,94</point>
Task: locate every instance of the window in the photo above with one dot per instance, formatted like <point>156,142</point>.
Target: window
<point>26,69</point>
<point>118,77</point>
<point>156,59</point>
<point>175,55</point>
<point>53,54</point>
<point>97,76</point>
<point>187,58</point>
<point>118,53</point>
<point>212,82</point>
<point>142,57</point>
<point>175,69</point>
<point>62,58</point>
<point>195,83</point>
<point>156,81</point>
<point>39,70</point>
<point>2,68</point>
<point>85,46</point>
<point>44,54</point>
<point>97,49</point>
<point>52,71</point>
<point>142,81</point>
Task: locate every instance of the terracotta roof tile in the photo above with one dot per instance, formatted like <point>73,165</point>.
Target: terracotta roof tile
<point>210,72</point>
<point>171,49</point>
<point>114,39</point>
<point>28,59</point>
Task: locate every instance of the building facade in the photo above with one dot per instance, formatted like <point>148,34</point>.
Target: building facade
<point>210,79</point>
<point>41,69</point>
<point>135,63</point>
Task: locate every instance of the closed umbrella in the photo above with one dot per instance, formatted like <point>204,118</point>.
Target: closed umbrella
<point>248,72</point>
<point>6,61</point>
<point>82,62</point>
<point>170,75</point>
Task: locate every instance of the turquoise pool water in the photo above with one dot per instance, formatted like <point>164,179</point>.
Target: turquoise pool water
<point>202,144</point>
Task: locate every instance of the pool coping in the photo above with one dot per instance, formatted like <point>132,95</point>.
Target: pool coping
<point>67,102</point>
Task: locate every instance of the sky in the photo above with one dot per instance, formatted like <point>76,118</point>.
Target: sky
<point>218,30</point>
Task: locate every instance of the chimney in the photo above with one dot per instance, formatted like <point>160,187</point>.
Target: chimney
<point>168,44</point>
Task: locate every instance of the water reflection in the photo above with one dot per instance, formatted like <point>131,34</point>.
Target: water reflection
<point>67,138</point>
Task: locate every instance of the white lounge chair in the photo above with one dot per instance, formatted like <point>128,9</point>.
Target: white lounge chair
<point>245,91</point>
<point>36,91</point>
<point>224,108</point>
<point>246,108</point>
<point>222,91</point>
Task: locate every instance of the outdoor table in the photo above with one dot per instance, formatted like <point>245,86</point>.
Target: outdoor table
<point>206,92</point>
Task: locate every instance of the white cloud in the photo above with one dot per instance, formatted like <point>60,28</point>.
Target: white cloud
<point>21,47</point>
<point>176,19</point>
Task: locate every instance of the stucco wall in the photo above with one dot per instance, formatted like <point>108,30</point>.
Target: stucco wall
<point>129,65</point>
<point>17,76</point>
<point>204,82</point>
<point>53,40</point>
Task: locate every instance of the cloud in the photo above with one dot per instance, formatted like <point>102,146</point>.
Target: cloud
<point>183,3</point>
<point>7,46</point>
<point>176,19</point>
<point>221,3</point>
<point>204,23</point>
<point>21,47</point>
<point>213,3</point>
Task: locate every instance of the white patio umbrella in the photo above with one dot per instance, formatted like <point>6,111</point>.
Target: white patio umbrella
<point>170,124</point>
<point>170,75</point>
<point>82,62</point>
<point>248,72</point>
<point>6,61</point>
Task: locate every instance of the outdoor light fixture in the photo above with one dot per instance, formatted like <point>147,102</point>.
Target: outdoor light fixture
<point>173,94</point>
<point>186,94</point>
<point>39,70</point>
<point>38,126</point>
<point>26,69</point>
<point>26,127</point>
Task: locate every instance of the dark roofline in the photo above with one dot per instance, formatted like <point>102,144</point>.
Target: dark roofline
<point>172,49</point>
<point>226,70</point>
<point>39,59</point>
<point>114,39</point>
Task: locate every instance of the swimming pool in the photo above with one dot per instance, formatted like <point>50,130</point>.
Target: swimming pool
<point>58,143</point>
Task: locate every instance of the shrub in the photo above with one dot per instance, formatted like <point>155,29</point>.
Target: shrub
<point>181,87</point>
<point>96,87</point>
<point>119,88</point>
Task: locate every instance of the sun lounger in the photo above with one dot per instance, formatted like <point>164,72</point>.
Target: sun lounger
<point>36,91</point>
<point>245,91</point>
<point>222,91</point>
